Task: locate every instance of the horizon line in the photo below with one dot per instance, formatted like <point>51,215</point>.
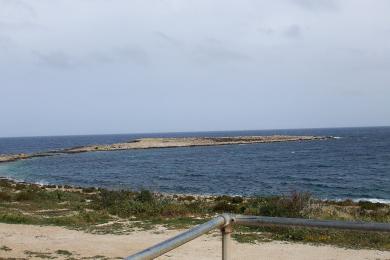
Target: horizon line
<point>199,131</point>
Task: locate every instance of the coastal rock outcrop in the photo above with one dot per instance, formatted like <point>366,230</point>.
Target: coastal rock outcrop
<point>147,143</point>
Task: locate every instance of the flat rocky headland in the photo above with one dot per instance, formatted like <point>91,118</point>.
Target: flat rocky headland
<point>147,143</point>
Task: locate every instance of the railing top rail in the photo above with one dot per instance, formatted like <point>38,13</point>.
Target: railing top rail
<point>174,242</point>
<point>351,225</point>
<point>229,219</point>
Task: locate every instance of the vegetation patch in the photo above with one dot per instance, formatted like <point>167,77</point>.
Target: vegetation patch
<point>5,248</point>
<point>100,257</point>
<point>63,252</point>
<point>39,255</point>
<point>122,211</point>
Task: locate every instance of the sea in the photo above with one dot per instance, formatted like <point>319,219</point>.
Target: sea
<point>353,165</point>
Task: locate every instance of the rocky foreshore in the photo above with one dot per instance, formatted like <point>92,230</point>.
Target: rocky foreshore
<point>147,143</point>
<point>23,156</point>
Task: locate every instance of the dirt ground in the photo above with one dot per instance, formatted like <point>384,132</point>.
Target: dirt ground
<point>37,242</point>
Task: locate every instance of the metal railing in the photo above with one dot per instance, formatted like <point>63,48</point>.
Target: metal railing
<point>226,221</point>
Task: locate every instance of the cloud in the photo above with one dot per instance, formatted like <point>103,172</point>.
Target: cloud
<point>266,30</point>
<point>166,38</point>
<point>17,7</point>
<point>316,5</point>
<point>19,26</point>
<point>126,54</point>
<point>6,42</point>
<point>293,31</point>
<point>16,15</point>
<point>219,55</point>
<point>214,51</point>
<point>62,60</point>
<point>56,59</point>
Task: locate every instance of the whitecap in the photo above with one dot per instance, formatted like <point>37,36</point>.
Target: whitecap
<point>42,182</point>
<point>373,200</point>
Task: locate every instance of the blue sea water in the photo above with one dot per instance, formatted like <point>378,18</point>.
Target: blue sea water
<point>356,165</point>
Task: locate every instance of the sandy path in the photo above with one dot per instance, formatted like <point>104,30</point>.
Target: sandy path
<point>49,239</point>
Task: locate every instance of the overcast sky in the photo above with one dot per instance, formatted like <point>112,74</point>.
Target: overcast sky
<point>124,66</point>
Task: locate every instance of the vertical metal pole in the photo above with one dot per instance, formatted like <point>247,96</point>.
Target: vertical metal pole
<point>226,241</point>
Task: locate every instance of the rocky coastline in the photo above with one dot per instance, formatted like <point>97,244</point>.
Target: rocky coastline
<point>148,143</point>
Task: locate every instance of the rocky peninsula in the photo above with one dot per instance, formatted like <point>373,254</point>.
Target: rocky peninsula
<point>147,143</point>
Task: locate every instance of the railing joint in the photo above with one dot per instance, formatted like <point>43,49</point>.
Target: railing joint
<point>229,219</point>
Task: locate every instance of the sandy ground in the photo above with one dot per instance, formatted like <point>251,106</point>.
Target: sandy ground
<point>21,238</point>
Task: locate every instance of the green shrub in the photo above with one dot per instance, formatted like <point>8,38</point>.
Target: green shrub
<point>25,195</point>
<point>185,198</point>
<point>145,196</point>
<point>5,248</point>
<point>367,205</point>
<point>4,196</point>
<point>50,186</point>
<point>5,183</point>
<point>237,199</point>
<point>16,218</point>
<point>174,210</point>
<point>109,198</point>
<point>224,206</point>
<point>286,206</point>
<point>89,190</point>
<point>63,252</point>
<point>20,186</point>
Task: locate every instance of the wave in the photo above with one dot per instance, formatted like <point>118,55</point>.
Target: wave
<point>373,200</point>
<point>21,180</point>
<point>13,179</point>
<point>42,183</point>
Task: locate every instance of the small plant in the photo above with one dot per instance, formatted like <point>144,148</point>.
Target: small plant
<point>63,252</point>
<point>145,196</point>
<point>89,190</point>
<point>4,196</point>
<point>224,206</point>
<point>39,254</point>
<point>5,248</point>
<point>237,200</point>
<point>50,186</point>
<point>185,198</point>
<point>286,206</point>
<point>25,195</point>
<point>367,205</point>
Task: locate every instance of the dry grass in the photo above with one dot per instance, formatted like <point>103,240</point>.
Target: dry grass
<point>105,211</point>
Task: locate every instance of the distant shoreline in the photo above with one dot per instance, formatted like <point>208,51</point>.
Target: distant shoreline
<point>149,143</point>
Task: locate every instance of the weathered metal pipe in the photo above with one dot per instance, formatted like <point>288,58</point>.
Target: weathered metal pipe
<point>174,242</point>
<point>351,225</point>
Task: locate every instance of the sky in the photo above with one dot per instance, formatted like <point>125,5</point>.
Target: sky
<point>71,67</point>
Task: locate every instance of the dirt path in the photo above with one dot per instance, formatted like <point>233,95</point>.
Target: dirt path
<point>36,242</point>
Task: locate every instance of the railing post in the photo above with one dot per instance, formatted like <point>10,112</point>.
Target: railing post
<point>226,241</point>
